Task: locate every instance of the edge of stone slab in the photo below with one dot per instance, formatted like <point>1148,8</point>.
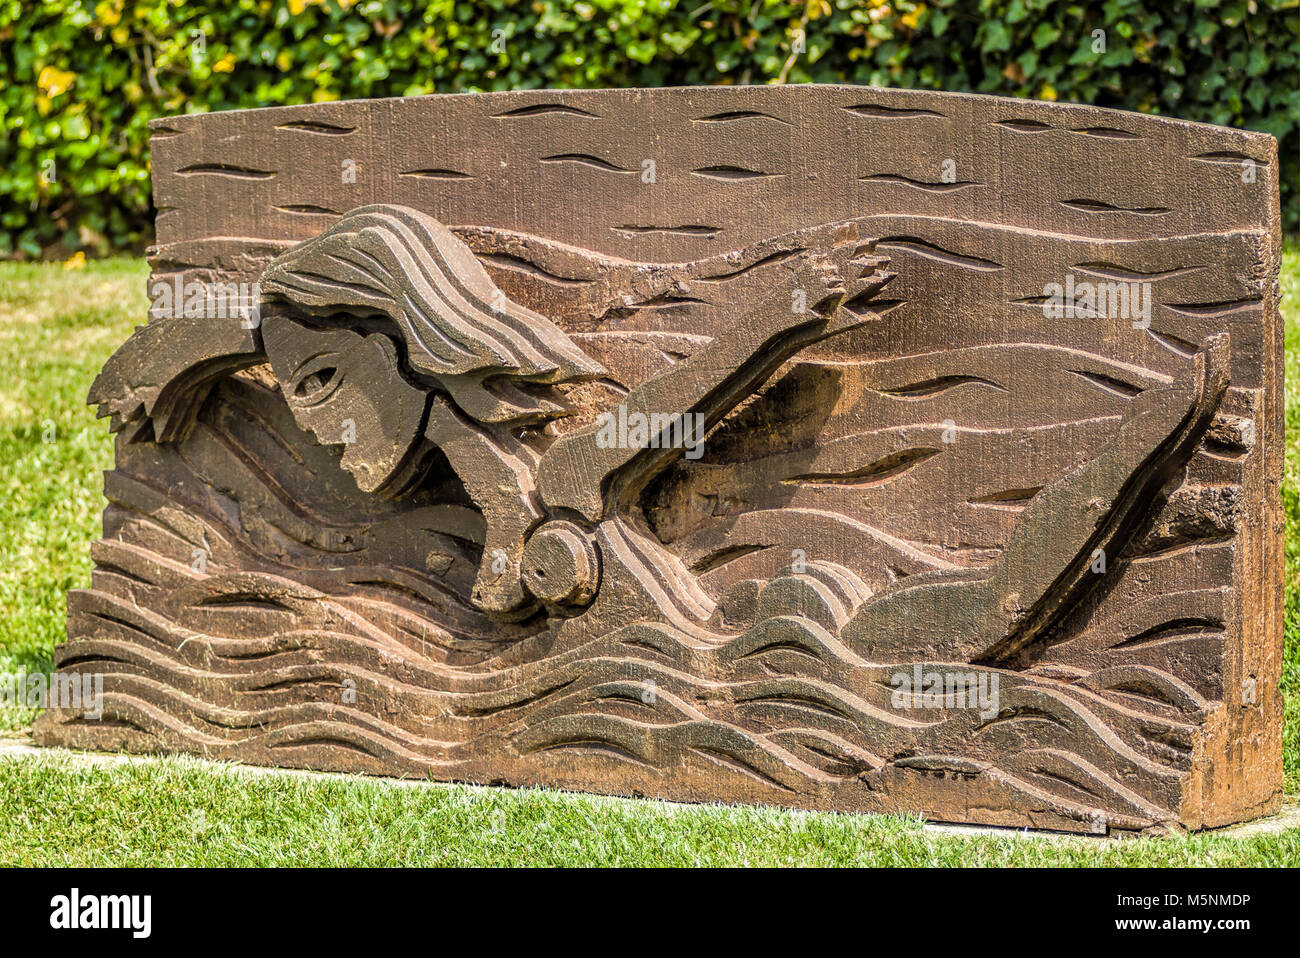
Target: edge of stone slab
<point>19,749</point>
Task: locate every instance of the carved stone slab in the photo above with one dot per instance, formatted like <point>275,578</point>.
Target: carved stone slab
<point>828,447</point>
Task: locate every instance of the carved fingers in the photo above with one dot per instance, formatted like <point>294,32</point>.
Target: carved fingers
<point>162,374</point>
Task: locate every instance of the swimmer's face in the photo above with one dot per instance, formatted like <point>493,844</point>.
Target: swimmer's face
<point>347,388</point>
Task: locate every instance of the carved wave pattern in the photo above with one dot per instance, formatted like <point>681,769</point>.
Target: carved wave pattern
<point>338,647</point>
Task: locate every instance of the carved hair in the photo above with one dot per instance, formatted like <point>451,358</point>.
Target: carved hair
<point>454,321</point>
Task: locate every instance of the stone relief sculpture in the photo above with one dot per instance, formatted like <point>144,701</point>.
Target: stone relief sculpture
<point>832,511</point>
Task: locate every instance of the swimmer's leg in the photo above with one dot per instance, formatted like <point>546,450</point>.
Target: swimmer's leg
<point>989,615</point>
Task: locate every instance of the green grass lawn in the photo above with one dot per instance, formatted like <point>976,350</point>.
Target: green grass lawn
<point>56,328</point>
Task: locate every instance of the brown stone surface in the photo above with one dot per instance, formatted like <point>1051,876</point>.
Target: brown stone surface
<point>381,528</point>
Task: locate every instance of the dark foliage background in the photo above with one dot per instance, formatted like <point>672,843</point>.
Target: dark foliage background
<point>80,80</point>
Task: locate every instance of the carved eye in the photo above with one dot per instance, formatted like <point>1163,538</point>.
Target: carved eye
<point>316,386</point>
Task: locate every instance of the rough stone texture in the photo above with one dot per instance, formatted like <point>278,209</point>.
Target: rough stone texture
<point>379,530</point>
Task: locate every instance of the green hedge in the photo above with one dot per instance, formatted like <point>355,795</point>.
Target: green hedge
<point>79,80</point>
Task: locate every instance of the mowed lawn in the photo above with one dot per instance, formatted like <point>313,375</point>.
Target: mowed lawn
<point>56,328</point>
